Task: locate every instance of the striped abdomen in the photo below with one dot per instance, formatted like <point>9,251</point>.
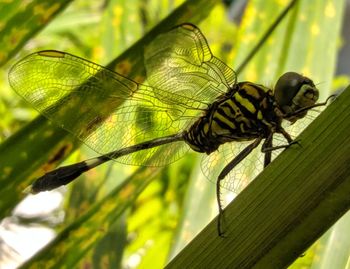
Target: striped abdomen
<point>244,115</point>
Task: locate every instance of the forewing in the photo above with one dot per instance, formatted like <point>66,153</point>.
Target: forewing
<point>102,108</point>
<point>180,61</point>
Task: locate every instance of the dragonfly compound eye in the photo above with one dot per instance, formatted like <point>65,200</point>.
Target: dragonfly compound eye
<point>294,92</point>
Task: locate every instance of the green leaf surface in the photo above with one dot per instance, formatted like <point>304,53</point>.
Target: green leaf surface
<point>21,20</point>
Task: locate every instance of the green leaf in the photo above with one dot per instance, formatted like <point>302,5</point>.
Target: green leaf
<point>22,20</point>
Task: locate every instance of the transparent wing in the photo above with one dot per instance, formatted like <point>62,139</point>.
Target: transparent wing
<point>180,61</point>
<point>102,108</point>
<point>242,174</point>
<point>253,164</point>
<point>108,111</point>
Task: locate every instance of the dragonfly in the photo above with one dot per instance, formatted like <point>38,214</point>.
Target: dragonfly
<point>191,101</point>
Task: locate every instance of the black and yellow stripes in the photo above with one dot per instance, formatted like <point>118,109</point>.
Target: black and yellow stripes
<point>244,115</point>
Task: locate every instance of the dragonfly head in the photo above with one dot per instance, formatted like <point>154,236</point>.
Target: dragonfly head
<point>293,92</point>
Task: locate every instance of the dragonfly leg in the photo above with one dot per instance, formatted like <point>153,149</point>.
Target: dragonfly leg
<point>331,97</point>
<point>268,144</point>
<point>286,135</point>
<point>266,148</point>
<point>231,165</point>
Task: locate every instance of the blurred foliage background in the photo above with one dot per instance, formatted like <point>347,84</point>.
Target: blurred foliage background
<point>120,216</point>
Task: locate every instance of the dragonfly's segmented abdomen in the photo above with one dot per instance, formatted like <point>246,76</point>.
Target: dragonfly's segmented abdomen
<point>246,114</point>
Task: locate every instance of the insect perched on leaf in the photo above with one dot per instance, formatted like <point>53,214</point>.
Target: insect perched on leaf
<point>192,100</point>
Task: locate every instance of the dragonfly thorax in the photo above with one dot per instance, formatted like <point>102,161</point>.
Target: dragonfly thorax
<point>245,114</point>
